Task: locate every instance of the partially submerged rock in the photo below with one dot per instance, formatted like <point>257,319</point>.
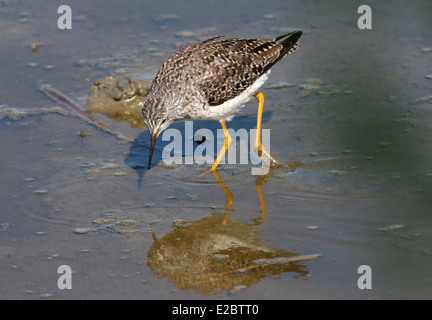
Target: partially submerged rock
<point>119,100</point>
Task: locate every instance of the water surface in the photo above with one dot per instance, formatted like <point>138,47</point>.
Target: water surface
<point>350,119</point>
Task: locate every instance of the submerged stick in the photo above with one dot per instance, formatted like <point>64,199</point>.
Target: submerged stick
<point>84,115</point>
<point>259,263</point>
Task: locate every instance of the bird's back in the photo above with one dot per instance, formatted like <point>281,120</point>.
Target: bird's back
<point>221,69</point>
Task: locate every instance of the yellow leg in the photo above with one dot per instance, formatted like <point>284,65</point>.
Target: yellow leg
<point>258,144</point>
<point>228,141</point>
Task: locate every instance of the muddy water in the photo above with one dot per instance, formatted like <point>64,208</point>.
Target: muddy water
<point>350,119</point>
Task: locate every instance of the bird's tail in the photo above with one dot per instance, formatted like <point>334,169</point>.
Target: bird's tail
<point>289,42</point>
<point>286,44</point>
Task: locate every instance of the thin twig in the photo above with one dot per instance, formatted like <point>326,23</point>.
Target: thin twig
<point>271,262</point>
<point>84,115</point>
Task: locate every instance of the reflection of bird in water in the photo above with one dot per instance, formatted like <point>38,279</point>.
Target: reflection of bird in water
<point>218,253</point>
<point>230,198</point>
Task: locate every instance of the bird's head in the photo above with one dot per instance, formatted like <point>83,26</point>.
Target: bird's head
<point>157,119</point>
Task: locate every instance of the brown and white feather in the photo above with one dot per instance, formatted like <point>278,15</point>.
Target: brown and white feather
<point>213,79</point>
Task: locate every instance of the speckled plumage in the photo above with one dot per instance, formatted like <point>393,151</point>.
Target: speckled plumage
<point>212,80</point>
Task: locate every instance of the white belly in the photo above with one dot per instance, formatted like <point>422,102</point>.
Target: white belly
<point>227,110</point>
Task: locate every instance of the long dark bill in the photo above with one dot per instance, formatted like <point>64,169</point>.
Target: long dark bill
<point>152,145</point>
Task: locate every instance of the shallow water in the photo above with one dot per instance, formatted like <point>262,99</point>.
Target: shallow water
<point>350,119</point>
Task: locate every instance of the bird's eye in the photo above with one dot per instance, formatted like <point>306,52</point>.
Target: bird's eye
<point>163,121</point>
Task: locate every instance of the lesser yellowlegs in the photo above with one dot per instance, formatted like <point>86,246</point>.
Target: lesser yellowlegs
<point>212,80</point>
